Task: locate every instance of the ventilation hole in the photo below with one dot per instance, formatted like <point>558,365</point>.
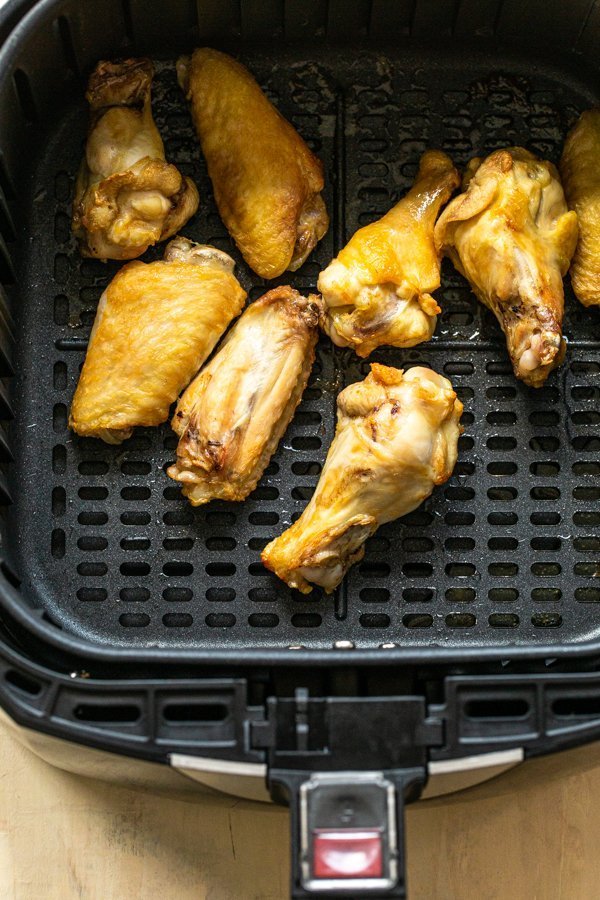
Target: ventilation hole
<point>417,620</point>
<point>544,417</point>
<point>587,544</point>
<point>135,467</point>
<point>374,595</point>
<point>177,620</point>
<point>91,595</point>
<point>134,595</point>
<point>176,544</point>
<point>460,493</point>
<point>464,468</point>
<point>59,418</point>
<point>306,620</point>
<point>498,368</point>
<point>92,518</point>
<point>221,543</point>
<point>25,95</point>
<point>546,595</point>
<point>306,468</point>
<point>460,595</point>
<point>502,468</point>
<point>263,620</point>
<point>586,444</point>
<point>459,518</point>
<point>588,594</point>
<point>178,568</point>
<point>195,713</point>
<point>59,376</point>
<point>183,516</point>
<point>135,518</point>
<point>409,545</point>
<point>503,595</point>
<point>585,417</point>
<point>220,517</point>
<point>257,543</point>
<point>586,493</point>
<point>503,519</point>
<point>220,620</point>
<point>220,594</point>
<point>134,620</point>
<point>257,569</point>
<point>135,569</point>
<point>502,543</point>
<point>587,570</point>
<point>373,569</point>
<point>23,682</point>
<point>66,39</point>
<point>586,468</point>
<point>171,493</point>
<point>459,570</point>
<point>263,518</point>
<point>137,543</point>
<point>417,595</point>
<point>569,707</point>
<point>586,519</point>
<point>220,569</point>
<point>135,493</point>
<point>57,543</point>
<point>93,493</point>
<point>374,620</point>
<point>502,418</point>
<point>306,442</point>
<point>544,443</point>
<point>544,469</point>
<point>266,492</point>
<point>92,543</point>
<point>415,570</point>
<point>458,368</point>
<point>503,569</point>
<point>503,620</point>
<point>92,570</point>
<point>460,620</point>
<point>497,708</point>
<point>419,518</point>
<point>59,460</point>
<point>552,545</point>
<point>544,493</point>
<point>59,501</point>
<point>545,569</point>
<point>546,620</point>
<point>544,518</point>
<point>177,594</point>
<point>107,712</point>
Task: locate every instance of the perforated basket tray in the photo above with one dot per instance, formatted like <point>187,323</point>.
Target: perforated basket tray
<point>501,561</point>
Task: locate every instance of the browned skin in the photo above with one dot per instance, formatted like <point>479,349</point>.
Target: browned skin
<point>156,324</point>
<point>580,170</point>
<point>233,415</point>
<point>127,197</point>
<point>396,438</point>
<point>266,181</point>
<point>511,235</point>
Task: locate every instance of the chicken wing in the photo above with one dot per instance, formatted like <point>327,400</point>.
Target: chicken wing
<point>580,170</point>
<point>127,197</point>
<point>378,289</point>
<point>396,438</point>
<point>156,324</point>
<point>267,183</point>
<point>233,415</point>
<point>511,235</point>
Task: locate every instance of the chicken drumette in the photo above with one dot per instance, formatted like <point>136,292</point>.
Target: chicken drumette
<point>511,235</point>
<point>127,197</point>
<point>156,324</point>
<point>233,415</point>
<point>378,289</point>
<point>396,438</point>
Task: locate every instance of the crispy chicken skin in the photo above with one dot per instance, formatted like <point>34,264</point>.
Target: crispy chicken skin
<point>156,324</point>
<point>127,197</point>
<point>396,438</point>
<point>233,415</point>
<point>511,235</point>
<point>580,171</point>
<point>378,289</point>
<point>266,181</point>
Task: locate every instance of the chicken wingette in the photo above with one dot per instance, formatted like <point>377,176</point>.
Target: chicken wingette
<point>156,324</point>
<point>266,181</point>
<point>127,197</point>
<point>396,438</point>
<point>233,415</point>
<point>378,289</point>
<point>580,171</point>
<point>511,235</point>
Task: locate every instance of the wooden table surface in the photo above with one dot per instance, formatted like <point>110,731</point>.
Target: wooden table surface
<point>532,833</point>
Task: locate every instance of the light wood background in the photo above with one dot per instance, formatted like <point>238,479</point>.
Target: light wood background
<point>532,833</point>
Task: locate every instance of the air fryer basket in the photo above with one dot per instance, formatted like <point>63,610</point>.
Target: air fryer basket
<point>102,557</point>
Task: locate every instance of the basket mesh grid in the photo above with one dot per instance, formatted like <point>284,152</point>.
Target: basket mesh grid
<point>505,553</point>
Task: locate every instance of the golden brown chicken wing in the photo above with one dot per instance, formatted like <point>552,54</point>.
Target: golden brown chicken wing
<point>235,412</point>
<point>267,183</point>
<point>378,289</point>
<point>396,438</point>
<point>156,324</point>
<point>580,170</point>
<point>511,235</point>
<point>127,197</point>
